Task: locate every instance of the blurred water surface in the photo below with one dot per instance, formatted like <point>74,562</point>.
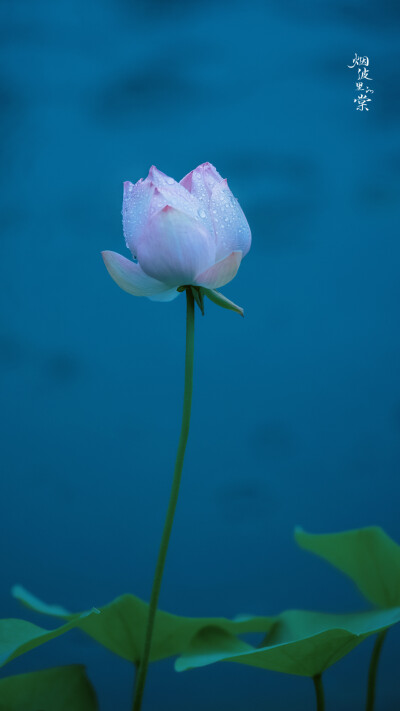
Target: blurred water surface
<point>296,415</point>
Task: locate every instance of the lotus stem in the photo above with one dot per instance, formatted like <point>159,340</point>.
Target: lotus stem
<point>373,669</point>
<point>319,692</point>
<point>162,554</point>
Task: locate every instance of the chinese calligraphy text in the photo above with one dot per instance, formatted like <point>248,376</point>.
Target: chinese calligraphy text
<point>364,90</point>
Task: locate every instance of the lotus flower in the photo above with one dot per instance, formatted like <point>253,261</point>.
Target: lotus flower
<point>189,233</point>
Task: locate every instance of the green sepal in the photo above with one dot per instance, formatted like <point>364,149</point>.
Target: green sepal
<point>198,297</point>
<point>221,300</point>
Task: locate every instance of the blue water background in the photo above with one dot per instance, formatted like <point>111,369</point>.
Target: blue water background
<point>296,409</point>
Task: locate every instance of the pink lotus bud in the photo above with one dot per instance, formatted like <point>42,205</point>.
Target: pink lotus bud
<point>188,233</point>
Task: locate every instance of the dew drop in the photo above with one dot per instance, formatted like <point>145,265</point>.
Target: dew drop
<point>201,213</point>
<point>170,181</point>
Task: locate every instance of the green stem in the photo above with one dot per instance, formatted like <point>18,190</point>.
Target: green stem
<point>319,692</point>
<point>162,554</point>
<point>373,669</point>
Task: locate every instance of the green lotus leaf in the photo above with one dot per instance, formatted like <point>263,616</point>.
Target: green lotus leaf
<point>300,642</point>
<point>366,555</point>
<point>121,626</point>
<point>59,689</point>
<point>20,636</point>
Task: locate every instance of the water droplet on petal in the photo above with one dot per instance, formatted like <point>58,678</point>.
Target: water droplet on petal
<point>170,181</point>
<point>201,213</point>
